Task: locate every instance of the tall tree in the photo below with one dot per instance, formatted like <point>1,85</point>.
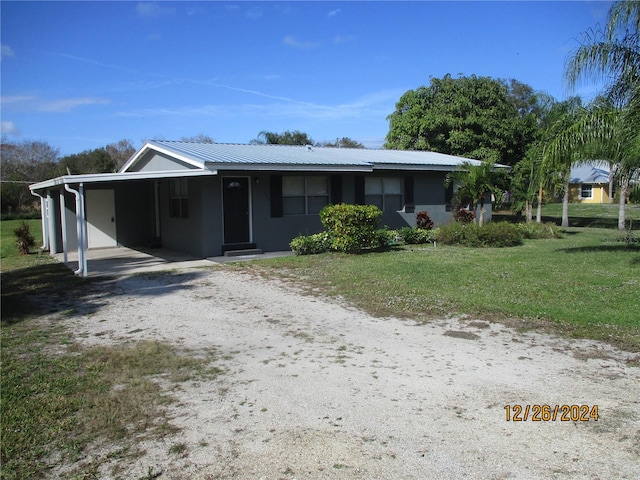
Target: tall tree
<point>286,138</point>
<point>120,152</point>
<point>21,164</point>
<point>607,135</point>
<point>475,117</point>
<point>344,142</point>
<point>90,161</point>
<point>612,55</point>
<point>199,138</point>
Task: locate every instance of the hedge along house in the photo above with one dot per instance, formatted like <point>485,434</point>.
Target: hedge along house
<point>205,199</point>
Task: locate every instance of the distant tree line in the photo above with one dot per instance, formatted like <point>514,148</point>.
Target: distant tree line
<point>30,161</point>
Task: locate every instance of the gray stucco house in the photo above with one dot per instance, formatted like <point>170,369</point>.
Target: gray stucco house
<point>205,199</point>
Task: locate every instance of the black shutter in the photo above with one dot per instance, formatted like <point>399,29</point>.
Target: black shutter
<point>409,202</point>
<point>358,189</point>
<point>408,190</point>
<point>276,195</point>
<point>336,189</point>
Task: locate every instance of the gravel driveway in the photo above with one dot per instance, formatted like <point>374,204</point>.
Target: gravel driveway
<point>316,389</point>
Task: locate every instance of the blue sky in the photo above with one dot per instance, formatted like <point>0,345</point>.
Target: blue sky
<point>81,75</point>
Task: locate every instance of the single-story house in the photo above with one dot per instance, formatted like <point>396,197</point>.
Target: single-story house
<point>589,184</point>
<point>205,199</point>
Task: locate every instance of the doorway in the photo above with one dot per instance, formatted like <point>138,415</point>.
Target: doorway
<point>101,218</point>
<point>236,213</point>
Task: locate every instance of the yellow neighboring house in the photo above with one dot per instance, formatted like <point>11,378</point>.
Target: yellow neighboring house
<point>589,184</point>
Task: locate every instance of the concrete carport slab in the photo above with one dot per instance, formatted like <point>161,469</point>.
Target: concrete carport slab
<point>122,261</point>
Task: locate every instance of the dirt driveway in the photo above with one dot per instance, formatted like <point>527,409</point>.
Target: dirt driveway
<point>316,389</point>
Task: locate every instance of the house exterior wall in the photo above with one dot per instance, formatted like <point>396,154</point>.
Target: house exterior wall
<point>159,162</point>
<point>201,234</point>
<point>600,193</point>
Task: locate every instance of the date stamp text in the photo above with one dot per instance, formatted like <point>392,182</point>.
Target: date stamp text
<point>551,413</point>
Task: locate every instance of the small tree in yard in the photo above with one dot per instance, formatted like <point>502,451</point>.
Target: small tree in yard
<point>24,239</point>
<point>474,182</point>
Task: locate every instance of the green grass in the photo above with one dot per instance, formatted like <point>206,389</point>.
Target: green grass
<point>587,215</point>
<point>10,259</point>
<point>58,398</point>
<point>584,285</point>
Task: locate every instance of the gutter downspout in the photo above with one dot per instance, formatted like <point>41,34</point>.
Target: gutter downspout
<point>82,260</point>
<point>63,219</point>
<point>44,214</point>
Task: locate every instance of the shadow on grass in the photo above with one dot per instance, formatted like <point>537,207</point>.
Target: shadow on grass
<point>53,288</point>
<point>623,247</point>
<point>593,222</point>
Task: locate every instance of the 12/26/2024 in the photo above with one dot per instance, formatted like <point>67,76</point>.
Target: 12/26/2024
<point>551,413</point>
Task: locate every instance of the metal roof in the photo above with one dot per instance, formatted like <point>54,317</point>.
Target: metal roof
<point>589,173</point>
<point>223,155</point>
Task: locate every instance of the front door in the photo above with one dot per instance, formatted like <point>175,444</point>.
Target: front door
<point>235,200</point>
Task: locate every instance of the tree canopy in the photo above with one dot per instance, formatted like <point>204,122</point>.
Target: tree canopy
<point>476,117</point>
<point>287,138</point>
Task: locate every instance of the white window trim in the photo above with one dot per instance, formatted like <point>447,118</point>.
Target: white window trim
<point>590,190</point>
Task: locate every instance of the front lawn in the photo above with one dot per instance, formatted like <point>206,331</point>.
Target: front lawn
<point>585,284</point>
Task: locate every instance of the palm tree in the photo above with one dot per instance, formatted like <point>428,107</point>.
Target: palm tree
<point>613,55</point>
<point>555,167</point>
<point>603,135</point>
<point>473,183</point>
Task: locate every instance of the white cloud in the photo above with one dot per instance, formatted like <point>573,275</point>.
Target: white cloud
<point>34,104</point>
<point>9,128</point>
<point>153,10</point>
<point>340,39</point>
<point>293,42</point>
<point>6,51</point>
<point>68,104</point>
<point>333,13</point>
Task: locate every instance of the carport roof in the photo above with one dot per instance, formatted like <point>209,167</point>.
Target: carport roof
<point>225,156</point>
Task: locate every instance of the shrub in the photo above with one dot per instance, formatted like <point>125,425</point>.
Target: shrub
<point>492,234</point>
<point>351,227</point>
<point>534,230</point>
<point>311,244</point>
<point>24,239</point>
<point>423,220</point>
<point>415,235</point>
<point>384,238</point>
<point>463,215</point>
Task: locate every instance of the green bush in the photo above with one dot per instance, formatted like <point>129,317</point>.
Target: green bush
<point>352,227</point>
<point>415,235</point>
<point>24,239</point>
<point>311,244</point>
<point>492,234</point>
<point>384,238</point>
<point>535,230</point>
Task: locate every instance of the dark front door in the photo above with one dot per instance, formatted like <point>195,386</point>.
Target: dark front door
<point>235,199</point>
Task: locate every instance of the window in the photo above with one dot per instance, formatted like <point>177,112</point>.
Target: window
<point>586,191</point>
<point>179,206</point>
<point>384,192</point>
<point>304,195</point>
